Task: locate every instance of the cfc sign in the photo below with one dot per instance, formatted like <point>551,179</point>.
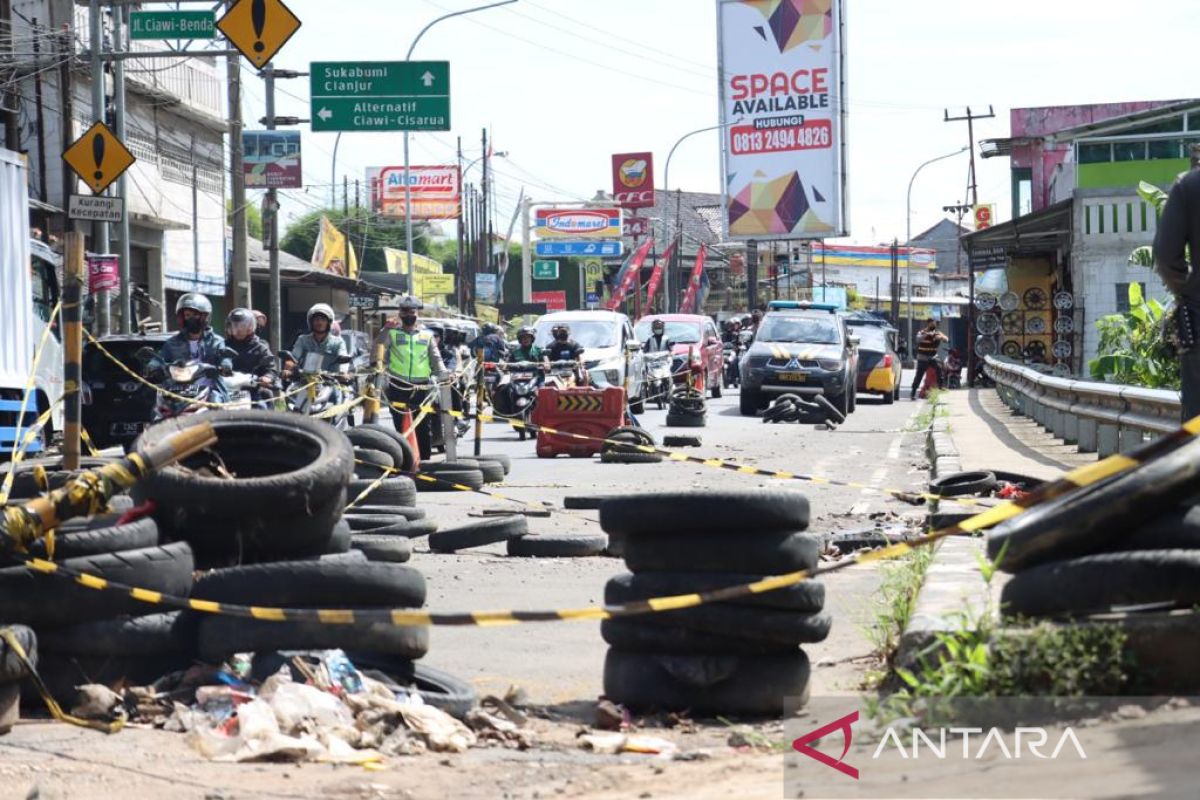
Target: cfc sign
<point>633,179</point>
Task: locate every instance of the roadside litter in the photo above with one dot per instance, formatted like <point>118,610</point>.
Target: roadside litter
<point>793,408</point>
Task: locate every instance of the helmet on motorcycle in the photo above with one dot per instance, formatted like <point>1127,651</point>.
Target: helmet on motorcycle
<point>240,324</point>
<point>747,320</point>
<point>490,328</point>
<point>561,331</point>
<point>658,326</point>
<point>324,310</point>
<point>194,301</point>
<point>526,332</point>
<point>409,302</point>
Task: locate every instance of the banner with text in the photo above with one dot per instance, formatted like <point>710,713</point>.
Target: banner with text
<point>434,191</point>
<point>633,179</point>
<point>784,115</point>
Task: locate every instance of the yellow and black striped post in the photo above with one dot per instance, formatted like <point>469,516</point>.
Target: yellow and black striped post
<point>72,348</point>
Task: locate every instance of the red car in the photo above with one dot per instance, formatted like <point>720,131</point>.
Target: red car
<point>685,333</point>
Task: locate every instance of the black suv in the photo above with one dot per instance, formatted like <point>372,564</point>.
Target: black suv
<point>116,407</point>
<point>800,348</point>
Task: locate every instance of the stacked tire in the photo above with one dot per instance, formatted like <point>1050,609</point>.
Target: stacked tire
<point>472,473</point>
<point>686,408</point>
<point>740,656</point>
<point>1131,541</point>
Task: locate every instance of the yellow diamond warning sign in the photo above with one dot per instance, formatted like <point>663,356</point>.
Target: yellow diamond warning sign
<point>579,402</point>
<point>98,157</point>
<point>258,28</point>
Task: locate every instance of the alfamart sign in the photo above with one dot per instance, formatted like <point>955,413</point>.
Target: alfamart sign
<point>783,144</point>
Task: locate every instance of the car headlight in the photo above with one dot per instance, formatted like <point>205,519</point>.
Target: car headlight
<point>830,364</point>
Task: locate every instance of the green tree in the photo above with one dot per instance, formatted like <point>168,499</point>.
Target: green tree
<point>254,223</point>
<point>369,234</point>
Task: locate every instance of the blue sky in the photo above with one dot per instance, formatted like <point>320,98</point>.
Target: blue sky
<point>562,84</point>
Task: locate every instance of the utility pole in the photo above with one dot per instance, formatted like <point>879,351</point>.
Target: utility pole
<point>100,242</point>
<point>40,116</point>
<point>240,294</point>
<point>8,100</point>
<point>751,275</point>
<point>895,305</point>
<point>124,305</point>
<point>526,255</point>
<point>458,258</point>
<point>486,226</point>
<point>346,217</point>
<point>970,120</point>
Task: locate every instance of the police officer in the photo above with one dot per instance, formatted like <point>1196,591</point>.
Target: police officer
<point>413,362</point>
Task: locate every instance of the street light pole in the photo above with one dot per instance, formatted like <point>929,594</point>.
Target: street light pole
<point>408,231</point>
<point>908,229</point>
<point>667,282</point>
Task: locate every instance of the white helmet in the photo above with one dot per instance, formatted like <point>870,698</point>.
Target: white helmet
<point>196,302</point>
<point>324,309</point>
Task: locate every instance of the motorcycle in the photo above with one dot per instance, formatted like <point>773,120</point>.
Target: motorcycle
<point>658,376</point>
<point>563,374</point>
<point>516,391</point>
<point>324,390</point>
<point>189,385</point>
<point>733,374</point>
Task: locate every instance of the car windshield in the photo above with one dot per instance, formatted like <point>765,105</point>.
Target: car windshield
<point>587,332</point>
<point>811,330</point>
<point>871,337</point>
<point>677,332</point>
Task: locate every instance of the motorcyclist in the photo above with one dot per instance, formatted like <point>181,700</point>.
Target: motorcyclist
<point>253,357</point>
<point>319,339</point>
<point>527,350</point>
<point>491,340</point>
<point>658,342</point>
<point>413,362</point>
<point>194,342</point>
<point>564,348</point>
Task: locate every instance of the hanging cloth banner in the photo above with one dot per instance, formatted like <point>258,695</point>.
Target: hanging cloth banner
<point>657,274</point>
<point>688,306</point>
<point>628,277</point>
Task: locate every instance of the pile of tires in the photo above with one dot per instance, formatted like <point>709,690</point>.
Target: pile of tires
<point>740,657</point>
<point>793,408</point>
<point>686,408</point>
<point>624,445</point>
<point>12,671</point>
<point>471,472</point>
<point>1127,542</point>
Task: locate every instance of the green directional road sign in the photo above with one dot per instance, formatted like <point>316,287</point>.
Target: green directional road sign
<point>545,270</point>
<point>172,25</point>
<point>380,95</point>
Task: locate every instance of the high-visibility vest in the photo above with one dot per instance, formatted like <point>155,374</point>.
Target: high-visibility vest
<point>409,354</point>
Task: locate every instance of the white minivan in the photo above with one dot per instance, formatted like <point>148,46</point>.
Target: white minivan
<point>607,339</point>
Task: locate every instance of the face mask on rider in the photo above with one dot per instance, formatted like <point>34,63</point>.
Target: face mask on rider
<point>561,335</point>
<point>408,320</point>
<point>193,325</point>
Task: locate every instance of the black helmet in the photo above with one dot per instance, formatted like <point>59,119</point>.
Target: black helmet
<point>657,325</point>
<point>490,328</point>
<point>560,326</point>
<point>240,323</point>
<point>526,330</point>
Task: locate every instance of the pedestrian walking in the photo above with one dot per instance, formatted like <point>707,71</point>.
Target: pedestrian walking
<point>929,339</point>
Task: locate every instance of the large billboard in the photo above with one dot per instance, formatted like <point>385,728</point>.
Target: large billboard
<point>578,223</point>
<point>633,179</point>
<point>435,191</point>
<point>271,160</point>
<point>783,116</point>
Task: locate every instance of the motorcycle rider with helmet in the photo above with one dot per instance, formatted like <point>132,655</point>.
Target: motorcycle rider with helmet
<point>658,342</point>
<point>319,339</point>
<point>492,342</point>
<point>564,348</point>
<point>254,357</point>
<point>413,363</point>
<point>195,341</point>
<point>527,350</point>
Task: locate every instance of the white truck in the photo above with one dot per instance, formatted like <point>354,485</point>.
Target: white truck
<point>29,275</point>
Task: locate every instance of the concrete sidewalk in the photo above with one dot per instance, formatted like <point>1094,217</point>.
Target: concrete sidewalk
<point>988,435</point>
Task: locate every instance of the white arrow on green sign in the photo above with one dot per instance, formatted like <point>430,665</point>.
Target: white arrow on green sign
<point>380,95</point>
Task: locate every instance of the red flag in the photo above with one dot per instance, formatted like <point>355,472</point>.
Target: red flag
<point>657,274</point>
<point>689,298</point>
<point>630,278</point>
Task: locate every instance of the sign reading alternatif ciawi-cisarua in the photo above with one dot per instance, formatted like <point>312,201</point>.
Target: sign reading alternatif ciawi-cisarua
<point>380,95</point>
<point>782,105</point>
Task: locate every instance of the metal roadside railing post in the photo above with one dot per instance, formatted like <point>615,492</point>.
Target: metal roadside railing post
<point>72,313</point>
<point>480,386</point>
<point>449,429</point>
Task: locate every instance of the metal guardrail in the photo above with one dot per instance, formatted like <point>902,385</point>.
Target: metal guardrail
<point>1102,418</point>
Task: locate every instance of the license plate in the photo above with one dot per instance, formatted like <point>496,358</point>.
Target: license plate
<point>793,377</point>
<point>125,428</point>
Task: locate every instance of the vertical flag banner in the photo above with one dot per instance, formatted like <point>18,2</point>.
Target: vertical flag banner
<point>783,105</point>
<point>628,277</point>
<point>657,275</point>
<point>329,253</point>
<point>688,306</point>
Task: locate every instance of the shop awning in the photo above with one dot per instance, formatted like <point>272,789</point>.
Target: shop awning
<point>1040,233</point>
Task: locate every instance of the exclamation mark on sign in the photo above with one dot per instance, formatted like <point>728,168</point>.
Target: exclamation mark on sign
<point>258,18</point>
<point>98,155</point>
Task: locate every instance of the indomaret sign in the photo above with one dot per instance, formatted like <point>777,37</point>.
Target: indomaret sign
<point>782,107</point>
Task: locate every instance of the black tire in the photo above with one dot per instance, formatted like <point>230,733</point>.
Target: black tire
<point>503,460</point>
<point>373,522</point>
<point>638,405</point>
<point>75,542</point>
<point>11,667</point>
<point>613,451</point>
<point>736,513</point>
<point>778,411</point>
<point>681,441</point>
<point>221,637</point>
<point>437,687</point>
<point>409,462</point>
<point>492,471</point>
<point>1097,583</point>
<point>745,685</point>
<point>587,502</point>
<point>616,545</point>
<point>636,636</point>
<point>449,480</point>
<point>557,546</point>
<point>716,390</point>
<point>339,540</point>
<point>748,402</point>
<point>858,540</point>
<point>958,484</point>
<point>24,484</point>
<point>394,549</point>
<point>371,464</point>
<point>806,596</point>
<point>378,441</point>
<point>1087,520</point>
<point>149,635</point>
<point>779,628</point>
<point>853,393</point>
<point>54,601</point>
<point>1177,529</point>
<point>395,491</point>
<point>329,583</point>
<point>408,512</point>
<point>685,421</point>
<point>888,398</point>
<point>771,553</point>
<point>291,476</point>
<point>477,534</point>
<point>896,392</point>
<point>835,411</point>
<point>436,467</point>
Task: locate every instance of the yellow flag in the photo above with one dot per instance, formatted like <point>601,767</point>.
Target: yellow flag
<point>329,253</point>
<point>397,263</point>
